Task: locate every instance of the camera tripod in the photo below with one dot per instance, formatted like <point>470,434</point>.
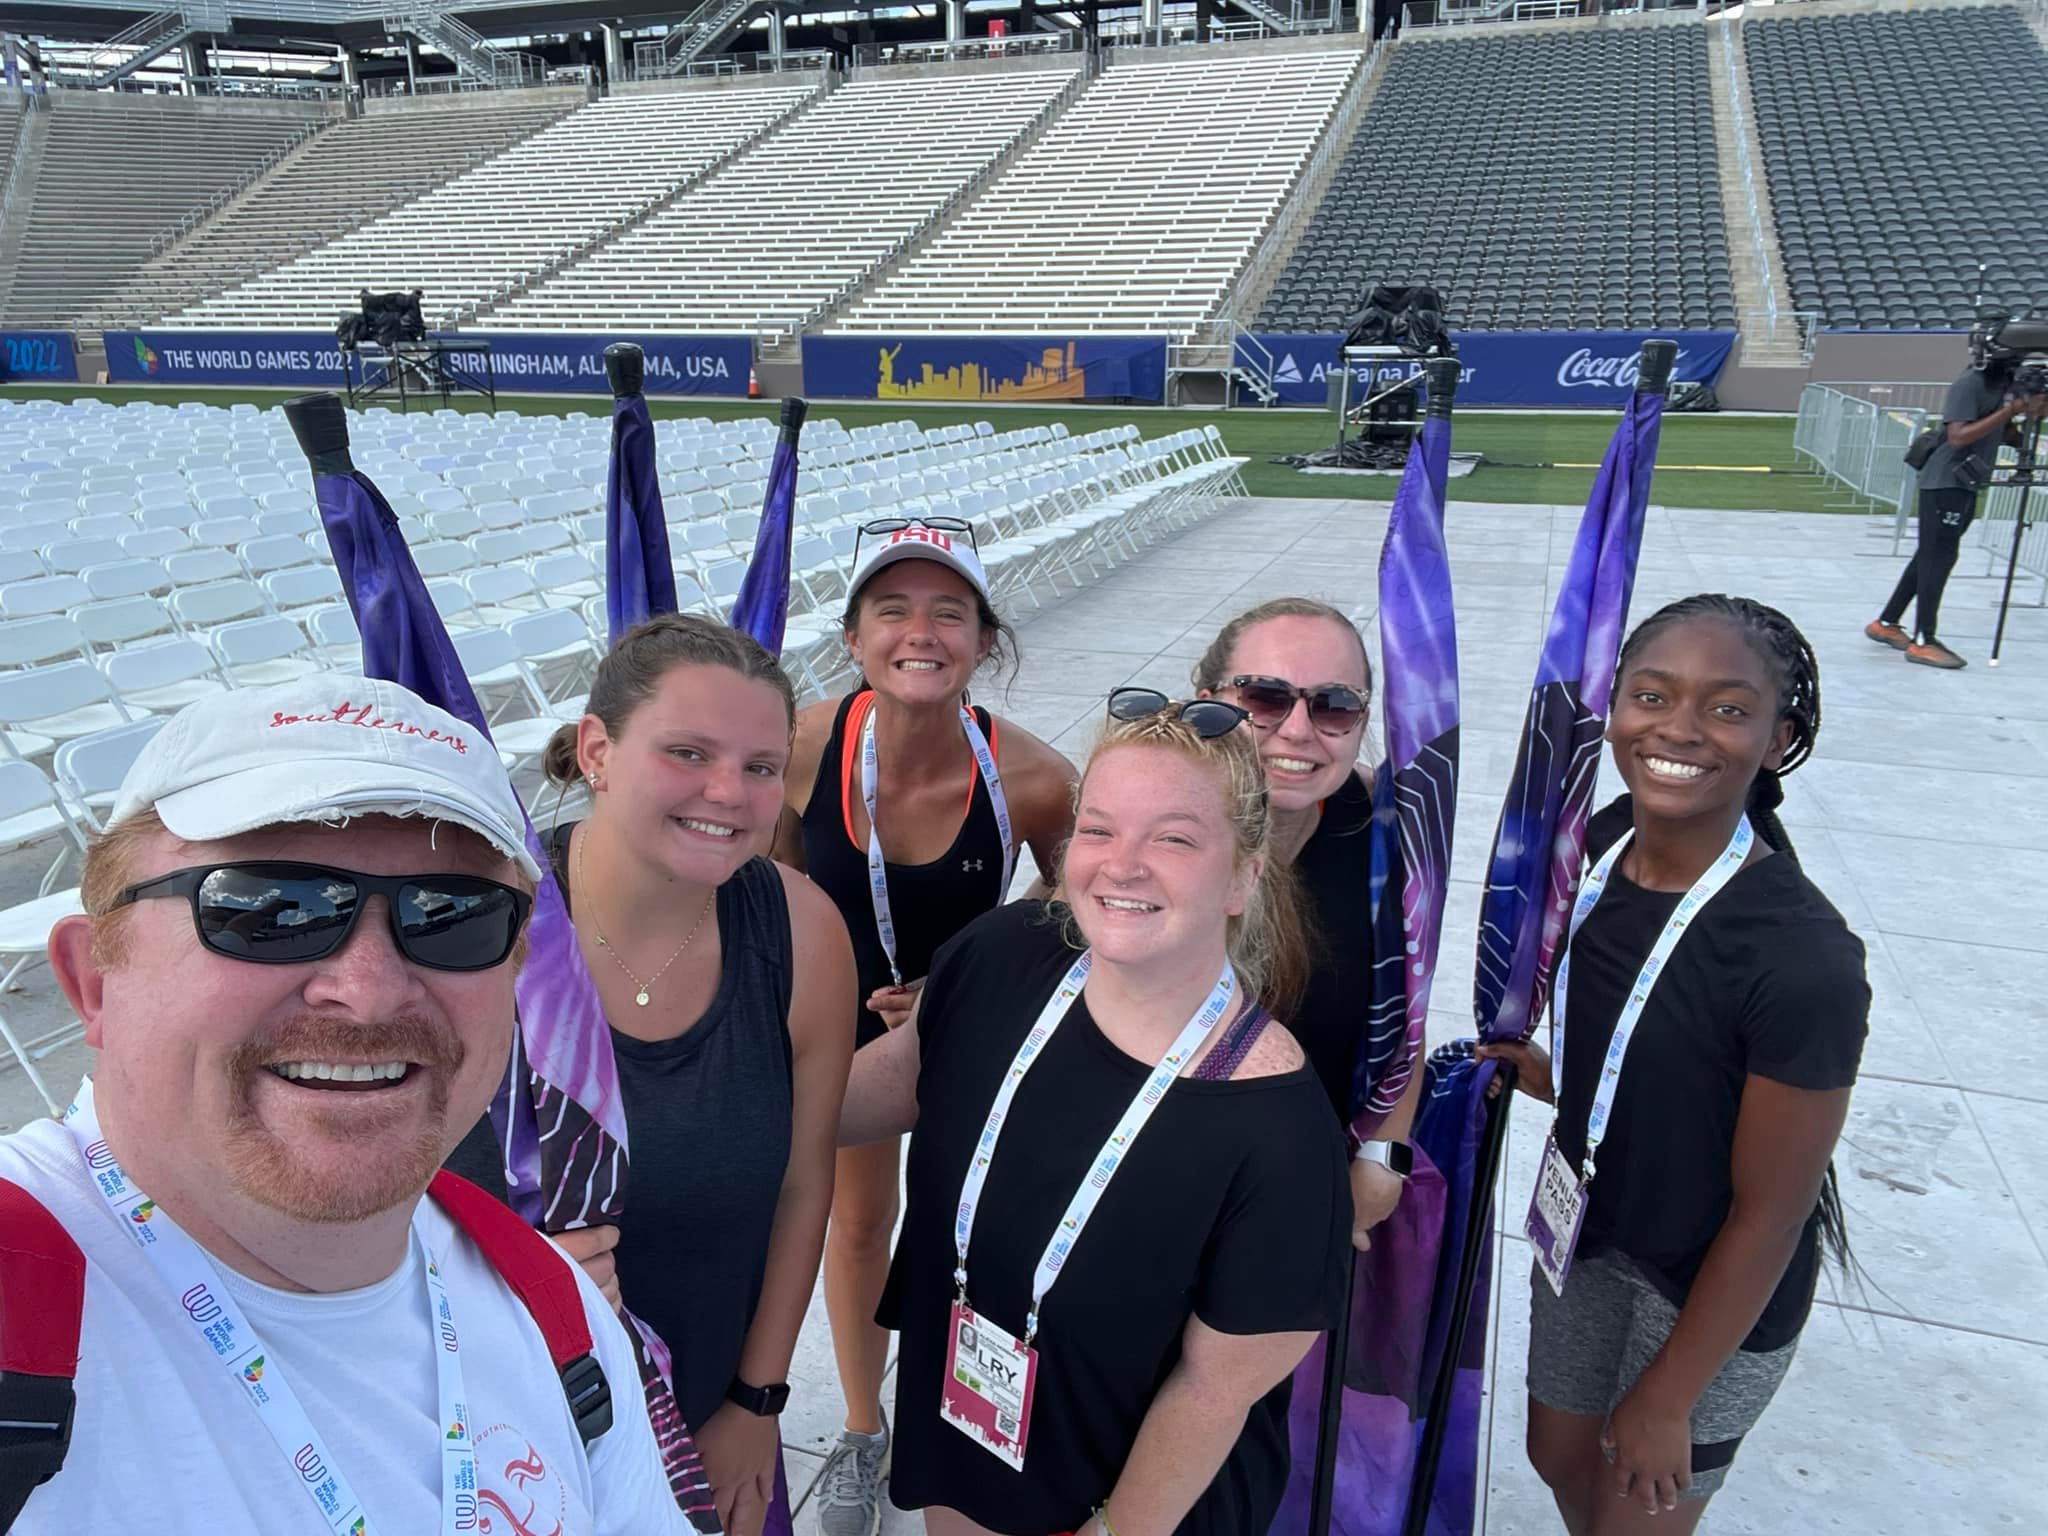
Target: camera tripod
<point>2023,477</point>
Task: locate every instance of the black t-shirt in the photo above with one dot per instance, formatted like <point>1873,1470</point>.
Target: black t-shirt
<point>1767,980</point>
<point>1335,870</point>
<point>1231,1206</point>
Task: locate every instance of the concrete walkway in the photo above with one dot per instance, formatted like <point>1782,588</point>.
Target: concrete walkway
<point>1923,1377</point>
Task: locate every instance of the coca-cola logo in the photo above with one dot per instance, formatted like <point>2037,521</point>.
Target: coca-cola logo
<point>1619,371</point>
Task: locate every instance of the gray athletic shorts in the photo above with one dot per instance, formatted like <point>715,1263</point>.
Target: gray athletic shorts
<point>1588,1346</point>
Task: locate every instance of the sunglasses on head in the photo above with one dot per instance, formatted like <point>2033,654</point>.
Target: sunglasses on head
<point>286,914</point>
<point>882,527</point>
<point>1207,718</point>
<point>1333,708</point>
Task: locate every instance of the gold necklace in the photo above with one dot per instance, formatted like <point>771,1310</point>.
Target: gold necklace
<point>605,944</point>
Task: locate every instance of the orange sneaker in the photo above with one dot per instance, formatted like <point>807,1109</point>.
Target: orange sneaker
<point>1888,634</point>
<point>1935,654</point>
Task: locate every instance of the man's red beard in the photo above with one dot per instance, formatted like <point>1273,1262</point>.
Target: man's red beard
<point>393,1171</point>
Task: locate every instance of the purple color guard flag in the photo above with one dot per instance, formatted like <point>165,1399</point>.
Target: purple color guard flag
<point>763,605</point>
<point>1532,880</point>
<point>1353,1447</point>
<point>574,1174</point>
<point>638,579</point>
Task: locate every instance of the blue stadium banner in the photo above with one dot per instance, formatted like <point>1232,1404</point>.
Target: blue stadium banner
<point>37,357</point>
<point>223,357</point>
<point>971,368</point>
<point>1529,368</point>
<point>551,364</point>
<point>542,363</point>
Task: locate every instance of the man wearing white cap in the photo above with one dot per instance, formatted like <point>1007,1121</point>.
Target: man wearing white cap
<point>296,963</point>
<point>907,807</point>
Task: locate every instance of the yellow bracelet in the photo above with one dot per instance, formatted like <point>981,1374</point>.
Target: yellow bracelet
<point>1102,1516</point>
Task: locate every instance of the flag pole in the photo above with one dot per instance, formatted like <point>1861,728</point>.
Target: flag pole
<point>1653,377</point>
<point>1442,374</point>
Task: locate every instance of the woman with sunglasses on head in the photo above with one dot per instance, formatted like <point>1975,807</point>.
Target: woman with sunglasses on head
<point>1126,1208</point>
<point>1299,669</point>
<point>907,807</point>
<point>726,980</point>
<point>1708,1020</point>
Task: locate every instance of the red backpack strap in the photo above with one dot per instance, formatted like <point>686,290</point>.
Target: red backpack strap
<point>539,1276</point>
<point>42,1301</point>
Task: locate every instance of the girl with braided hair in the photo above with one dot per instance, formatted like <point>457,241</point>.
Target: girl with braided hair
<point>1708,1021</point>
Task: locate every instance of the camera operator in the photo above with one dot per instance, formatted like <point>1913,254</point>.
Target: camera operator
<point>1982,411</point>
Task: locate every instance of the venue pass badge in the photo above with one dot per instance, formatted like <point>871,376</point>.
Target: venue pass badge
<point>987,1394</point>
<point>1556,1212</point>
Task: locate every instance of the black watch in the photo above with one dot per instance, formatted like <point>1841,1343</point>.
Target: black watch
<point>764,1402</point>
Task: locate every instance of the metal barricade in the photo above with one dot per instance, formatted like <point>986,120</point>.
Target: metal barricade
<point>1857,434</point>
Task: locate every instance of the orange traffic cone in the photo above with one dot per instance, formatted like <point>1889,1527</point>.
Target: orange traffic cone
<point>753,385</point>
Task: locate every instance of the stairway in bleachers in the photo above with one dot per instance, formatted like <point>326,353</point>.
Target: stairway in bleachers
<point>341,179</point>
<point>757,249</point>
<point>116,171</point>
<point>545,200</point>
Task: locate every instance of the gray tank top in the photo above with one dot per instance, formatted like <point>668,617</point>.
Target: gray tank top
<point>708,1122</point>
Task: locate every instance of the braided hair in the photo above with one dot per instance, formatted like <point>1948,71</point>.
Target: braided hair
<point>1794,670</point>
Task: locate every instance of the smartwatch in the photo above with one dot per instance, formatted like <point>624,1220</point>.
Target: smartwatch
<point>1396,1156</point>
<point>763,1402</point>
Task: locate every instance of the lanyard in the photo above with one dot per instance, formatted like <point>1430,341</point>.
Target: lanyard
<point>878,874</point>
<point>1114,1150</point>
<point>1703,891</point>
<point>190,1275</point>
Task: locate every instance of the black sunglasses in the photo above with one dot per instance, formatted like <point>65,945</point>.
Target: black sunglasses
<point>1207,718</point>
<point>882,527</point>
<point>285,914</point>
<point>1333,708</point>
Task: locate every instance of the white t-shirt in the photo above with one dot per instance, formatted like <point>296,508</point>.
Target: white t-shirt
<point>165,1441</point>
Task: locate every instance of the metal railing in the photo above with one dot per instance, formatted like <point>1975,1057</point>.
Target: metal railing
<point>1856,434</point>
<point>1738,106</point>
<point>1452,13</point>
<point>941,50</point>
<point>1307,192</point>
<point>17,165</point>
<point>171,234</point>
<point>789,61</point>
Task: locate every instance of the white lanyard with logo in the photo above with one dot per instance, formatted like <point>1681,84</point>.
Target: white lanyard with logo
<point>191,1276</point>
<point>878,874</point>
<point>1557,1210</point>
<point>987,1394</point>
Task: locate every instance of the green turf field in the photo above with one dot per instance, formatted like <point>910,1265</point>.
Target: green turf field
<point>1520,450</point>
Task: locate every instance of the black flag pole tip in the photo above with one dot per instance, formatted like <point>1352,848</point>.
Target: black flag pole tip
<point>625,365</point>
<point>1653,375</point>
<point>794,408</point>
<point>1442,375</point>
<point>321,426</point>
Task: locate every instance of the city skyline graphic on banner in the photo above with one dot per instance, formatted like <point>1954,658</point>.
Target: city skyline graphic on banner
<point>1053,377</point>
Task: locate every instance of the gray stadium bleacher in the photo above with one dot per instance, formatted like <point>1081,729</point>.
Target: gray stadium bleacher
<point>1902,149</point>
<point>1539,180</point>
<point>340,179</point>
<point>116,170</point>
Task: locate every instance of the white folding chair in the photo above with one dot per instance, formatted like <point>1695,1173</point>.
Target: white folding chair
<point>302,586</point>
<point>41,706</point>
<point>125,578</point>
<point>333,631</point>
<point>275,552</point>
<point>32,642</point>
<point>199,609</point>
<point>112,622</point>
<point>164,674</point>
<point>256,652</point>
<point>42,594</point>
<point>25,926</point>
<point>89,770</point>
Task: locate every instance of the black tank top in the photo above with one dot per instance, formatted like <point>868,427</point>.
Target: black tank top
<point>708,1118</point>
<point>929,902</point>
